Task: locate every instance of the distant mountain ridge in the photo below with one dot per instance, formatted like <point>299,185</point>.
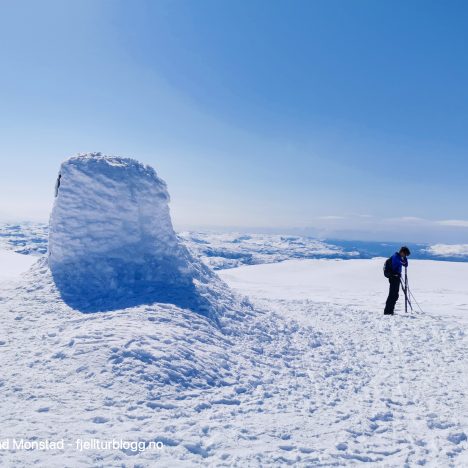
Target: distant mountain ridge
<point>222,251</point>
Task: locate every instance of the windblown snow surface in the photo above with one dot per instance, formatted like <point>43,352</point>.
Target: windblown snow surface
<point>24,238</point>
<point>306,378</point>
<point>307,372</point>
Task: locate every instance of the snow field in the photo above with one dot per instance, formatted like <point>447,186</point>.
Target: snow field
<point>13,264</point>
<point>295,381</point>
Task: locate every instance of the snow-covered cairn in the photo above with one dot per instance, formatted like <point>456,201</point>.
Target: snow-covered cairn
<point>112,244</point>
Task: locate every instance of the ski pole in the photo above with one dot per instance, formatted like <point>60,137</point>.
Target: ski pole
<point>414,299</point>
<point>407,299</point>
<point>406,290</point>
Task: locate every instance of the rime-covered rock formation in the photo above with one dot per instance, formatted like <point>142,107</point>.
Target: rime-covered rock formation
<point>112,244</point>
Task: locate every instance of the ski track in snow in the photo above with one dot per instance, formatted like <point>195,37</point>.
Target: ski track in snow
<point>298,382</point>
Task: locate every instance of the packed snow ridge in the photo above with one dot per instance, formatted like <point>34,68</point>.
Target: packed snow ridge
<point>112,244</point>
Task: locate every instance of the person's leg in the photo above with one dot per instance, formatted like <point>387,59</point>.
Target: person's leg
<point>393,294</point>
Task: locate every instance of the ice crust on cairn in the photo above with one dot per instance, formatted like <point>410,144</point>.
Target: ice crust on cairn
<point>112,244</point>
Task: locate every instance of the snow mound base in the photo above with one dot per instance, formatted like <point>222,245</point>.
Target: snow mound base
<point>112,244</point>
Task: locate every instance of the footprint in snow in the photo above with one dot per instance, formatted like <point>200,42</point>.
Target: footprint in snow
<point>287,448</point>
<point>457,438</point>
<point>99,420</point>
<point>388,416</point>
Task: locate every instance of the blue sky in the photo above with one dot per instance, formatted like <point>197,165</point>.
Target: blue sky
<point>335,118</point>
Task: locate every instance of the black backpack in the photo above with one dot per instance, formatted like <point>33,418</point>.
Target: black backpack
<point>388,268</point>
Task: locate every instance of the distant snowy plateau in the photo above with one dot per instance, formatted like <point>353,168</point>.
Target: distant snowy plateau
<point>297,365</point>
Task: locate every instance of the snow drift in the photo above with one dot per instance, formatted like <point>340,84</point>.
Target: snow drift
<point>112,244</point>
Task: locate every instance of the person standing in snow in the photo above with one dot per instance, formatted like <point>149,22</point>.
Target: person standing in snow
<point>393,268</point>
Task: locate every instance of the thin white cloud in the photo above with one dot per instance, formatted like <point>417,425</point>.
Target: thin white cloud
<point>412,218</point>
<point>406,219</point>
<point>454,223</point>
<point>331,217</point>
